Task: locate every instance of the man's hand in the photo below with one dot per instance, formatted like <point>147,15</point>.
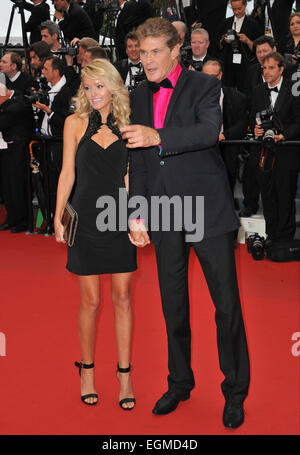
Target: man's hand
<point>258,131</point>
<point>59,15</point>
<point>244,39</point>
<point>42,107</point>
<point>191,68</point>
<point>74,41</point>
<point>140,136</point>
<point>221,137</point>
<point>278,137</point>
<point>138,234</point>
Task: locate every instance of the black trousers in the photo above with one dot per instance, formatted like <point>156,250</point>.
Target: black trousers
<point>278,191</point>
<point>216,256</point>
<point>251,187</point>
<point>14,183</point>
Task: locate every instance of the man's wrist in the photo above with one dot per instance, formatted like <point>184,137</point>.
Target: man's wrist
<point>157,138</point>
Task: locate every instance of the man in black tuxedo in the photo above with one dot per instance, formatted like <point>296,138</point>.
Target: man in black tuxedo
<point>15,79</point>
<point>235,48</point>
<point>273,17</point>
<point>199,49</point>
<point>39,13</point>
<point>173,138</point>
<point>17,128</point>
<point>278,183</point>
<point>52,118</point>
<point>234,120</point>
<point>262,46</point>
<point>73,21</point>
<point>131,67</point>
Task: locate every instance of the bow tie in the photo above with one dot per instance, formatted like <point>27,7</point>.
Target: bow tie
<point>273,89</point>
<point>135,65</point>
<point>165,83</point>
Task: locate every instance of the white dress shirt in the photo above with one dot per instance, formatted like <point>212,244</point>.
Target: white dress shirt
<point>45,128</point>
<point>274,95</point>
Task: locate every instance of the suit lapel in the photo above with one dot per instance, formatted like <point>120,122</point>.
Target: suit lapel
<point>282,96</point>
<point>175,94</point>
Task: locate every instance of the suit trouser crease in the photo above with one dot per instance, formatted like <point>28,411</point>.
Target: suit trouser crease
<point>216,257</point>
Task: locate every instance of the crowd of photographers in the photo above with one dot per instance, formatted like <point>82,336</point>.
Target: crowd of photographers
<point>255,56</point>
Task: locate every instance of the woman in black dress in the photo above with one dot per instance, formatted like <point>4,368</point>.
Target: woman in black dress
<point>94,147</point>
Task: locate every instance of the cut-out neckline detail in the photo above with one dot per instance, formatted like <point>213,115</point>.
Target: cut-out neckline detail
<point>97,143</point>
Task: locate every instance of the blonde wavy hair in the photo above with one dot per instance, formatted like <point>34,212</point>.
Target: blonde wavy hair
<point>103,69</point>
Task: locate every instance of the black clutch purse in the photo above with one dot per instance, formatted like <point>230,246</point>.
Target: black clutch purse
<point>70,223</point>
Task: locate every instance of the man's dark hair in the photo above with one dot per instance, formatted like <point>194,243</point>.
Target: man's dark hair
<point>275,56</point>
<point>41,49</point>
<point>52,28</point>
<point>131,35</point>
<point>264,39</point>
<point>97,52</point>
<point>16,58</point>
<point>57,64</point>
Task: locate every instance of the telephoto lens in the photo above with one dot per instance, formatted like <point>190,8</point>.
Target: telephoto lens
<point>256,246</point>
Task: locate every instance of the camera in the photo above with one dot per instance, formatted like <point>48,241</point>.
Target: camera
<point>39,91</point>
<point>136,79</point>
<point>197,65</point>
<point>68,50</point>
<point>271,124</point>
<point>105,5</point>
<point>233,39</point>
<point>256,246</point>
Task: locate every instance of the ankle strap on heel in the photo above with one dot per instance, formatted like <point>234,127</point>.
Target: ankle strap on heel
<point>84,365</point>
<point>124,370</point>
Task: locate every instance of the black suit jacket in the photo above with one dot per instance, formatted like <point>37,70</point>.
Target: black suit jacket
<point>254,78</point>
<point>77,24</point>
<point>235,114</point>
<point>21,84</point>
<point>122,66</point>
<point>250,28</point>
<point>190,163</point>
<point>16,119</point>
<point>39,14</point>
<point>61,109</point>
<point>287,108</point>
<point>127,20</point>
<point>280,13</point>
<point>96,16</point>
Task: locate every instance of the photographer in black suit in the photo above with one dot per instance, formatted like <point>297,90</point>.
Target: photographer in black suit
<point>234,120</point>
<point>39,13</point>
<point>234,43</point>
<point>209,13</point>
<point>17,128</point>
<point>131,67</point>
<point>73,21</point>
<point>176,121</point>
<point>278,183</point>
<point>273,17</point>
<point>52,118</point>
<point>199,48</point>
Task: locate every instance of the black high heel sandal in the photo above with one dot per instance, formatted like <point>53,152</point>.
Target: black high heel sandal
<point>126,400</point>
<point>81,365</point>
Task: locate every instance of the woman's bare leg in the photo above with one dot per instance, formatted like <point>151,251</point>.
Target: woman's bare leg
<point>90,300</point>
<point>120,291</point>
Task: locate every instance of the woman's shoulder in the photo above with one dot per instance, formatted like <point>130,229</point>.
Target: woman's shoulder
<point>75,119</point>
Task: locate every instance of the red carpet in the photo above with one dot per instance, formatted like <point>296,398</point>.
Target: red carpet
<point>40,386</point>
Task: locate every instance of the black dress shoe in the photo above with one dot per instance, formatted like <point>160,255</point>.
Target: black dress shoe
<point>17,229</point>
<point>169,402</point>
<point>233,415</point>
<point>5,227</point>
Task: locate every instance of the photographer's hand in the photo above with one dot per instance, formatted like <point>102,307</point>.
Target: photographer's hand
<point>278,137</point>
<point>59,15</point>
<point>244,39</point>
<point>258,131</point>
<point>42,107</point>
<point>74,41</point>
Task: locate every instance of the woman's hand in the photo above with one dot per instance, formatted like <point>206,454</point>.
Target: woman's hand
<point>59,231</point>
